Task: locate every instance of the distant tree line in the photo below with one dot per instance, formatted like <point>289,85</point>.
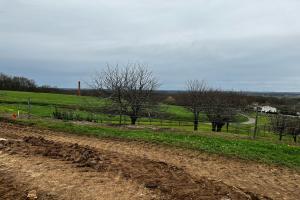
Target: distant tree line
<point>20,83</point>
<point>16,83</point>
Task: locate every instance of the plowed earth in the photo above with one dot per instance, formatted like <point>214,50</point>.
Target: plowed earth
<point>65,166</point>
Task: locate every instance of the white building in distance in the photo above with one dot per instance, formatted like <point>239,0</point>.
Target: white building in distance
<point>268,109</point>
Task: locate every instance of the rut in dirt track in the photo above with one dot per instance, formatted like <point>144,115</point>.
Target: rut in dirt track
<point>172,182</point>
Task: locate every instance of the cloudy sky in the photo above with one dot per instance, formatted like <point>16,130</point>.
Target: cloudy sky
<point>232,44</point>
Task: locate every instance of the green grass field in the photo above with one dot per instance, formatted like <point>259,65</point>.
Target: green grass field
<point>17,97</point>
<point>43,105</point>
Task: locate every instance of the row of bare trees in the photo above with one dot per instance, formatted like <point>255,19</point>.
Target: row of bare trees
<point>131,90</point>
<point>285,125</point>
<point>220,107</point>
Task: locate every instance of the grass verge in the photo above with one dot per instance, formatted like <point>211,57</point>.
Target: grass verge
<point>255,150</point>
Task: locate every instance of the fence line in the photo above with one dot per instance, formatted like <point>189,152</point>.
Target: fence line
<point>237,128</point>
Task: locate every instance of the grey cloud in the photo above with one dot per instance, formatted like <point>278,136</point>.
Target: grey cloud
<point>245,45</point>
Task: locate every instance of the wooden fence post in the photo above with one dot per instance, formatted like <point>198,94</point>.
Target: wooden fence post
<point>255,126</point>
<point>29,108</point>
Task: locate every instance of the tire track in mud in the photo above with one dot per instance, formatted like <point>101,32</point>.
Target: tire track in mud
<point>169,181</point>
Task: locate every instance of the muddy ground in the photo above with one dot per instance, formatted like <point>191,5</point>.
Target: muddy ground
<point>57,165</point>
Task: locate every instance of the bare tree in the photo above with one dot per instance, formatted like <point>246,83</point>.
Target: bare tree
<point>222,107</point>
<point>194,98</point>
<point>110,83</point>
<point>130,88</point>
<point>138,91</point>
<point>284,124</point>
<point>293,128</point>
<point>279,124</point>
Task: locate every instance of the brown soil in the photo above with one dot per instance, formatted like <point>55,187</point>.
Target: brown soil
<point>9,187</point>
<point>171,181</point>
<point>147,170</point>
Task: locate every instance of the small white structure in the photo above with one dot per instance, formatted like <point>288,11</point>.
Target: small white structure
<point>268,109</point>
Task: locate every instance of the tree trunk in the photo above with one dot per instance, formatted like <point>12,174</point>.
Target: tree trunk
<point>219,129</point>
<point>227,126</point>
<point>196,121</point>
<point>213,126</point>
<point>280,136</point>
<point>219,126</point>
<point>133,119</point>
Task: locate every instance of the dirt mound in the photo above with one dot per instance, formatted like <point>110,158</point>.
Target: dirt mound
<point>171,181</point>
<point>83,156</point>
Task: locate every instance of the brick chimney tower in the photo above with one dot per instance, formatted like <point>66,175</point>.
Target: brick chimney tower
<point>78,90</point>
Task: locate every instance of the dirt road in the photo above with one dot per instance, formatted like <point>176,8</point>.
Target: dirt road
<point>251,120</point>
<point>64,166</point>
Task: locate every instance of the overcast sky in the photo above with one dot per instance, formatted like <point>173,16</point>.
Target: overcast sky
<point>232,44</point>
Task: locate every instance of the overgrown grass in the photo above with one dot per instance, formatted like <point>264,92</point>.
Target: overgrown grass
<point>243,148</point>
